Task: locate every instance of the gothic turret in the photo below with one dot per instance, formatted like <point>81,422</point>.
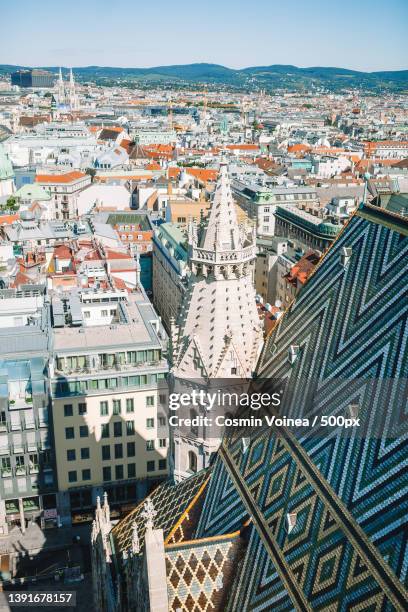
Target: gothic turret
<point>218,333</point>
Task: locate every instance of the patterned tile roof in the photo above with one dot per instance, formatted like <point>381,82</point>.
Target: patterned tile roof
<point>345,493</point>
<point>170,501</point>
<point>199,572</point>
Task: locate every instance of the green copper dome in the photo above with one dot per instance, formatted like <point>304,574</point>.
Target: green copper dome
<point>6,167</point>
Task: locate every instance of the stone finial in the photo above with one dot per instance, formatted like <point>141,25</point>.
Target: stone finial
<point>135,540</point>
<point>106,507</point>
<point>94,532</point>
<point>149,513</point>
<point>98,503</point>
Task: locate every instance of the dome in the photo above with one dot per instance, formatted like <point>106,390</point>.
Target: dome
<point>6,167</point>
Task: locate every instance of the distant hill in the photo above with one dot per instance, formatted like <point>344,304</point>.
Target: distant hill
<point>268,77</point>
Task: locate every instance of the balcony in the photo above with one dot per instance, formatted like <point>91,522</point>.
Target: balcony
<point>21,470</point>
<point>34,469</point>
<point>6,473</point>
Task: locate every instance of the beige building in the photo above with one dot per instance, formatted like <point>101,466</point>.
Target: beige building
<point>64,188</point>
<point>109,399</point>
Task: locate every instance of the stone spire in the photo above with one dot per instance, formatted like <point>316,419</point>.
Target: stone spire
<point>222,232</point>
<point>73,99</point>
<point>60,88</point>
<point>106,509</point>
<point>218,333</point>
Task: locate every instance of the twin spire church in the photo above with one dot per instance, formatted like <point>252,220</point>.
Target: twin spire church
<point>66,92</point>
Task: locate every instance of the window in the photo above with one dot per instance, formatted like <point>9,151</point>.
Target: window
<point>150,467</point>
<point>132,470</point>
<point>149,423</point>
<point>106,472</point>
<point>233,371</point>
<point>194,428</point>
<point>72,476</point>
<point>149,445</point>
<point>69,433</point>
<point>130,405</point>
<point>105,452</point>
<point>118,451</point>
<point>33,460</point>
<point>86,474</point>
<point>87,314</point>
<point>83,431</point>
<point>130,428</point>
<point>192,461</point>
<point>68,411</point>
<point>119,472</point>
<point>116,407</point>
<point>162,443</point>
<point>105,430</point>
<point>71,455</point>
<point>162,421</point>
<point>162,464</point>
<point>150,400</point>
<point>20,461</point>
<point>131,449</point>
<point>104,408</point>
<point>163,398</point>
<point>82,408</point>
<point>104,313</point>
<point>85,453</point>
<point>117,429</point>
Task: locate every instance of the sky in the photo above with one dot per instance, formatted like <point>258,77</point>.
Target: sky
<point>359,34</point>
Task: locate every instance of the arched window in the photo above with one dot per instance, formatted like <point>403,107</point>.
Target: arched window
<point>192,461</point>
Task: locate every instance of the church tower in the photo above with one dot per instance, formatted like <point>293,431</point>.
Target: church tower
<point>73,98</point>
<point>60,89</point>
<point>218,333</point>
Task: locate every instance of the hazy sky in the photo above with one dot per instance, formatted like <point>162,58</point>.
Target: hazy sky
<point>359,34</point>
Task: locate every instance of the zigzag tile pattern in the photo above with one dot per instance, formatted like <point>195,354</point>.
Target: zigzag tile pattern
<point>348,550</point>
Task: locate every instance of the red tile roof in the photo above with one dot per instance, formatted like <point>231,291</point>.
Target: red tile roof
<point>67,177</point>
<point>62,251</point>
<point>116,255</point>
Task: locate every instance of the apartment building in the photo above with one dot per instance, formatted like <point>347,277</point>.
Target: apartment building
<point>170,273</point>
<point>316,231</point>
<point>28,481</point>
<point>109,397</point>
<point>64,189</point>
<point>260,202</point>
